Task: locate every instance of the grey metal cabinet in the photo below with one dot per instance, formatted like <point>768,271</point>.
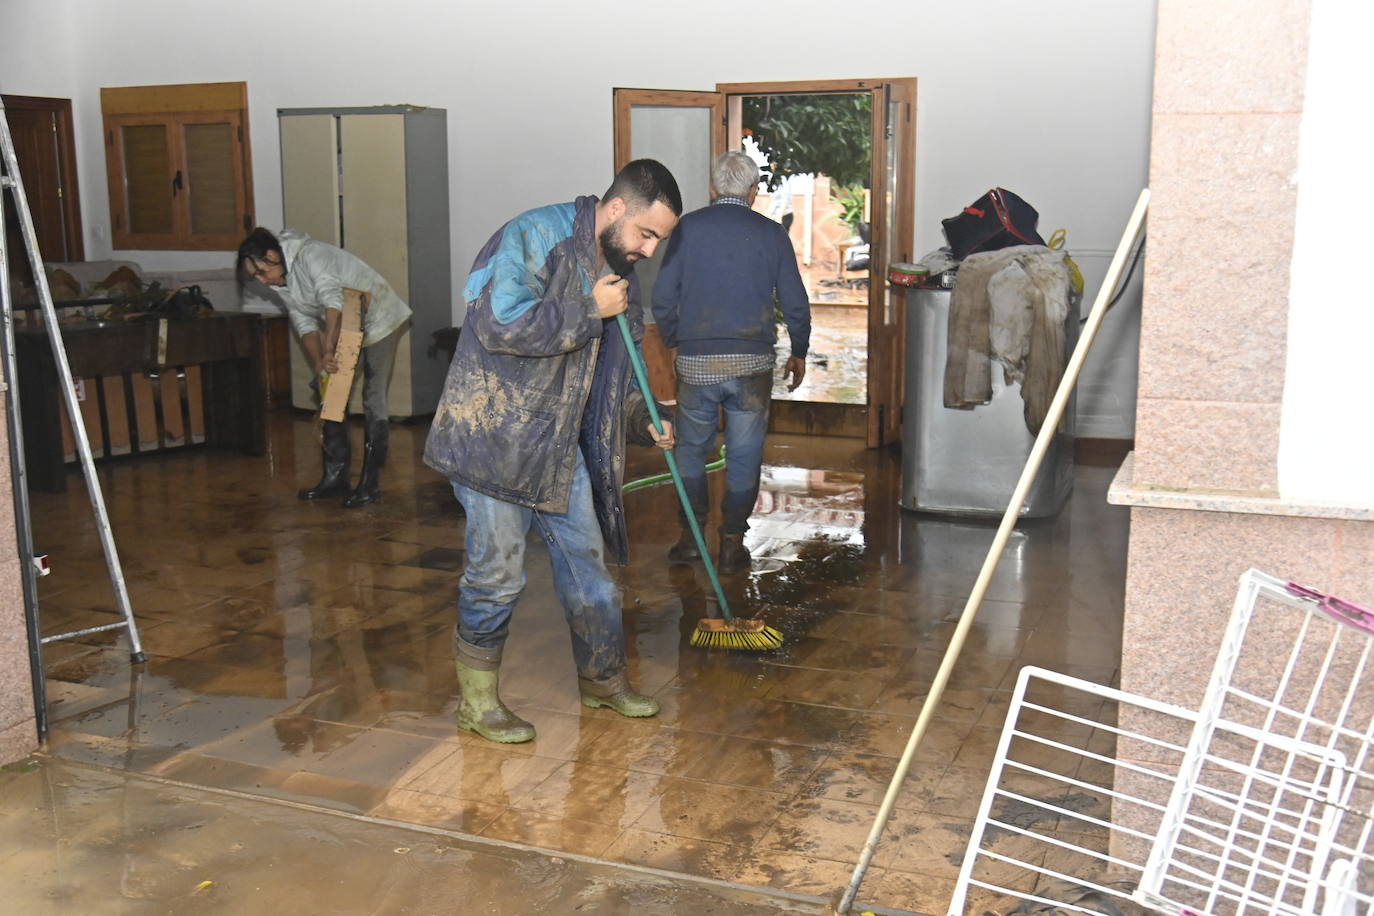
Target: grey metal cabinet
<point>374,181</point>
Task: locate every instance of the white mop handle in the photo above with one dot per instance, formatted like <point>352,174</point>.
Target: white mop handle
<point>1018,498</point>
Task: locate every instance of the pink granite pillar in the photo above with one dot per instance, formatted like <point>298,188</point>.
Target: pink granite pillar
<point>1203,482</point>
<point>18,734</point>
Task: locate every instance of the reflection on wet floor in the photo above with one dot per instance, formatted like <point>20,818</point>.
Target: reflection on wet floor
<point>302,652</point>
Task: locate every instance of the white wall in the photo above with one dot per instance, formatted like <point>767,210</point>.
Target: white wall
<point>1051,100</point>
<point>36,54</point>
<point>1325,446</point>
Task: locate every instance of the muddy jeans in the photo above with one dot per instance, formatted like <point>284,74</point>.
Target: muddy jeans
<point>495,577</point>
<point>746,403</point>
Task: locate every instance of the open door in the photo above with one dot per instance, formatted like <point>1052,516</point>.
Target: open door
<point>894,172</point>
<point>686,132</point>
<point>44,148</point>
<point>891,186</point>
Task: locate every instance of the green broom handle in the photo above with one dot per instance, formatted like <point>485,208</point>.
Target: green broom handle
<point>643,378</point>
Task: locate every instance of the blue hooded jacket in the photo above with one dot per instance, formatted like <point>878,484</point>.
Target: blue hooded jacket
<point>537,372</point>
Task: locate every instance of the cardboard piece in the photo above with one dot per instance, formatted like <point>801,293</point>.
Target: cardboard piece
<point>334,405</point>
<point>116,414</point>
<point>168,394</point>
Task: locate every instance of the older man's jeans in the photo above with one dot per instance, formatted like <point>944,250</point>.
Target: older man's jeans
<point>746,401</point>
<point>495,577</point>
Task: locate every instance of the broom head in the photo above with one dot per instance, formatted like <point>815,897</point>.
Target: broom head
<point>755,635</point>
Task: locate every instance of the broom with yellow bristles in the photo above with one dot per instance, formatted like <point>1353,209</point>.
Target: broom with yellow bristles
<point>726,631</point>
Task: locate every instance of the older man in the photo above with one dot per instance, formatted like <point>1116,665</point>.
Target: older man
<point>726,273</point>
<point>531,430</point>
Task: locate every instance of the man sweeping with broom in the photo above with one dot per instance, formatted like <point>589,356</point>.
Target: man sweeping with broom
<point>531,428</point>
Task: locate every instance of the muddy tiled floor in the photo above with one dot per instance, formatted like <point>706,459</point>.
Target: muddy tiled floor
<point>89,840</point>
<point>302,652</point>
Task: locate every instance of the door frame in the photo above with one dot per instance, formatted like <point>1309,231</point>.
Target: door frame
<point>893,143</point>
<point>879,421</point>
<point>73,234</point>
<point>625,99</point>
<point>658,358</point>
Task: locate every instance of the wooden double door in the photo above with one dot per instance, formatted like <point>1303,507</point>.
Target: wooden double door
<point>686,130</point>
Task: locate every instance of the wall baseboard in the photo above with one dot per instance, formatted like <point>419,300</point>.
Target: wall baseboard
<point>1102,453</point>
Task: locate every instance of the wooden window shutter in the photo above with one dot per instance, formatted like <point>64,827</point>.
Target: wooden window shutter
<point>179,165</point>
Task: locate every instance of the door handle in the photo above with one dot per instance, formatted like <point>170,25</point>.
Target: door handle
<point>176,183</point>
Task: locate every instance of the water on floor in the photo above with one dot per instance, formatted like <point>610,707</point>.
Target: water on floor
<point>91,840</point>
<point>302,652</point>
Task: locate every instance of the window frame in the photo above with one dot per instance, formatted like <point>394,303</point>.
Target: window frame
<point>177,107</point>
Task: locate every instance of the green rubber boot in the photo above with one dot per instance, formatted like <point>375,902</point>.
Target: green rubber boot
<point>481,710</point>
<point>626,702</point>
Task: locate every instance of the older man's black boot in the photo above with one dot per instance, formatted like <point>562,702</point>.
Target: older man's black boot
<point>685,550</point>
<point>334,447</point>
<point>734,556</point>
<point>374,459</point>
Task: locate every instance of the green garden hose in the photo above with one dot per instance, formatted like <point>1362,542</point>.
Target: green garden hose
<point>656,479</point>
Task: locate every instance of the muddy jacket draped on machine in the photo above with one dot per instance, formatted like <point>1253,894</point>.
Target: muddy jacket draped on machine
<point>537,372</point>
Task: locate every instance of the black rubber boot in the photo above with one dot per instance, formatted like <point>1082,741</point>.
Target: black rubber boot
<point>734,556</point>
<point>334,482</point>
<point>685,550</point>
<point>374,459</point>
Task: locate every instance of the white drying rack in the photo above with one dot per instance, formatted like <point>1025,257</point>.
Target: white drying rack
<point>1105,802</point>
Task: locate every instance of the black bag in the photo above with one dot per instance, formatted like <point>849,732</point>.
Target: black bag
<point>186,302</point>
<point>998,219</point>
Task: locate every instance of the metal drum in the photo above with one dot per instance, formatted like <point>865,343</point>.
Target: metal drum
<point>967,462</point>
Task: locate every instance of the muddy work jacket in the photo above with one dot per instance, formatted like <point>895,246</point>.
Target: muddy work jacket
<point>537,373</point>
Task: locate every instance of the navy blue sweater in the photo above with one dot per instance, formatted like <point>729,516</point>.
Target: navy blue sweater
<point>715,291</point>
